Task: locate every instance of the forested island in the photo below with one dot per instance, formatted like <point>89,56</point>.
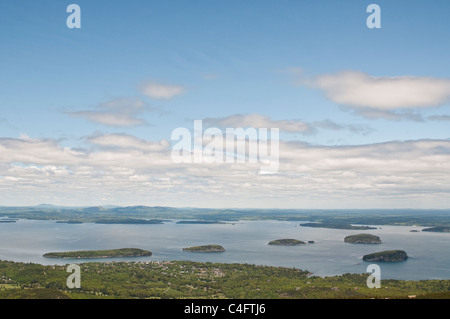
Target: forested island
<point>206,222</point>
<point>286,242</point>
<point>438,229</point>
<point>337,226</point>
<point>205,249</point>
<point>121,252</point>
<point>363,239</point>
<point>387,256</point>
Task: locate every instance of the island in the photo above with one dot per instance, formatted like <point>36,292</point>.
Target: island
<point>121,252</point>
<point>128,221</point>
<point>205,249</point>
<point>207,222</point>
<point>440,229</point>
<point>286,242</point>
<point>387,256</point>
<point>69,222</point>
<point>337,226</point>
<point>363,239</point>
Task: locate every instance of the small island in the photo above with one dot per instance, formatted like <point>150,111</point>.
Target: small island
<point>205,249</point>
<point>206,222</point>
<point>286,242</point>
<point>337,226</point>
<point>122,252</point>
<point>440,229</point>
<point>387,256</point>
<point>363,239</point>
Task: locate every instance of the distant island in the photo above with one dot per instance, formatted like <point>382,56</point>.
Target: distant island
<point>69,222</point>
<point>440,229</point>
<point>7,221</point>
<point>363,239</point>
<point>199,222</point>
<point>337,226</point>
<point>387,256</point>
<point>122,252</point>
<point>205,249</point>
<point>128,221</point>
<point>286,242</point>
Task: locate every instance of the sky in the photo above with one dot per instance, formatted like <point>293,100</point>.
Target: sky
<point>363,114</point>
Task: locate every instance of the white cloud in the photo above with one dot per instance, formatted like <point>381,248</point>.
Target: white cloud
<point>157,90</point>
<point>260,121</point>
<point>125,141</point>
<point>289,126</point>
<point>392,97</point>
<point>110,119</point>
<point>119,112</point>
<point>357,89</point>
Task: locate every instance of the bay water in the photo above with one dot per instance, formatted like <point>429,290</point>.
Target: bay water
<point>244,242</point>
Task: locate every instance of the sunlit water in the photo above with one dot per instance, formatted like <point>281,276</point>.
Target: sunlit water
<point>244,241</point>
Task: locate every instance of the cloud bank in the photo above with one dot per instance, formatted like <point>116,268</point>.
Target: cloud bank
<point>123,169</point>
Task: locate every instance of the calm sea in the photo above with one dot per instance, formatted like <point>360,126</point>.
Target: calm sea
<point>244,241</point>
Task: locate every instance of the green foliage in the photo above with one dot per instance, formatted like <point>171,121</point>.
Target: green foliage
<point>187,279</point>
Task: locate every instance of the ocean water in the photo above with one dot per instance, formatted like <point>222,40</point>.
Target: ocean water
<point>244,241</point>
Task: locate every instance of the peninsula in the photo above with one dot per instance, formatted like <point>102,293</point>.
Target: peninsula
<point>440,229</point>
<point>122,252</point>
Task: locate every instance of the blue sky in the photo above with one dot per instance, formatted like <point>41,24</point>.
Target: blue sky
<point>137,70</point>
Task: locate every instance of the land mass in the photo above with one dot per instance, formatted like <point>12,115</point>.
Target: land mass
<point>286,242</point>
<point>128,221</point>
<point>399,217</point>
<point>363,239</point>
<point>205,249</point>
<point>337,226</point>
<point>438,229</point>
<point>387,256</point>
<point>121,252</point>
<point>200,222</point>
<point>195,280</point>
